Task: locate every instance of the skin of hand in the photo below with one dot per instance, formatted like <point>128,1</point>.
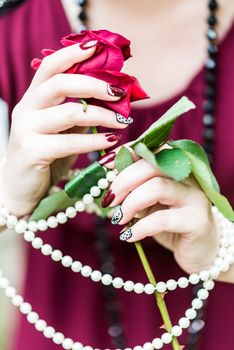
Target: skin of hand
<point>47,131</point>
<point>176,214</point>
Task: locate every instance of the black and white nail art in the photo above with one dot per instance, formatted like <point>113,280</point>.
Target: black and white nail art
<point>121,119</point>
<point>117,217</point>
<point>126,235</point>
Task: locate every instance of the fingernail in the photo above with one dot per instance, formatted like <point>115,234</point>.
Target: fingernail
<point>113,137</point>
<point>107,158</point>
<point>126,235</point>
<point>117,217</point>
<point>121,119</point>
<point>88,44</point>
<point>108,199</point>
<point>113,90</point>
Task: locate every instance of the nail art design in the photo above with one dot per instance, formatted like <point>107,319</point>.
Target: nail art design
<point>107,158</point>
<point>126,235</point>
<point>117,217</point>
<point>121,119</point>
<point>88,44</point>
<point>115,91</point>
<point>113,137</point>
<point>108,199</point>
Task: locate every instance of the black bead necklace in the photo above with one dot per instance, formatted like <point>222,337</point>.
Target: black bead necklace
<point>208,135</point>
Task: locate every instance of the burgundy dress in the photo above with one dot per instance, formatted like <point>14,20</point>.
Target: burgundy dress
<point>75,305</point>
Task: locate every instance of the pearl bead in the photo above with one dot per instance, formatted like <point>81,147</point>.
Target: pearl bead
<point>190,313</point>
<point>209,285</point>
<point>17,300</point>
<point>37,243</point>
<point>42,225</point>
<point>95,191</point>
<point>103,184</point>
<point>161,287</point>
<point>61,218</point>
<point>49,332</point>
<point>176,331</point>
<point>52,222</point>
<point>224,266</point>
<point>67,343</point>
<point>149,288</point>
<point>129,286</point>
<point>32,317</point>
<point>76,266</point>
<point>32,226</point>
<point>71,212</point>
<point>3,221</point>
<point>67,261</point>
<point>184,322</point>
<point>4,283</point>
<point>171,284</point>
<point>77,346</point>
<point>29,236</point>
<point>10,292</point>
<point>183,282</point>
<point>56,255</point>
<point>58,338</point>
<point>86,271</point>
<point>157,343</point>
<point>166,338</point>
<point>40,325</point>
<point>4,212</point>
<point>46,249</point>
<point>204,275</point>
<point>117,282</point>
<point>194,278</point>
<point>21,226</point>
<point>88,199</point>
<point>11,222</point>
<point>110,176</point>
<point>148,346</point>
<point>197,303</point>
<point>25,308</point>
<point>87,347</point>
<point>203,294</point>
<point>139,288</point>
<point>96,276</point>
<point>106,279</point>
<point>138,347</point>
<point>79,206</point>
<point>214,272</point>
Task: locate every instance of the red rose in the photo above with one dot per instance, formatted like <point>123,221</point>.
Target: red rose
<point>111,51</point>
<point>134,91</point>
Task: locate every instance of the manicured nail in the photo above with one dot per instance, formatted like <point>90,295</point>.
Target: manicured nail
<point>113,137</point>
<point>108,199</point>
<point>126,235</point>
<point>88,44</point>
<point>113,90</point>
<point>107,158</point>
<point>117,217</point>
<point>121,119</point>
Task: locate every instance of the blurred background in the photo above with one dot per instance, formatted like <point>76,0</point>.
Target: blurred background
<point>11,256</point>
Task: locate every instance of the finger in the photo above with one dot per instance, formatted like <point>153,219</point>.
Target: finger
<point>63,145</point>
<point>56,89</point>
<point>162,221</point>
<point>70,114</point>
<point>130,178</point>
<point>60,61</point>
<point>156,190</point>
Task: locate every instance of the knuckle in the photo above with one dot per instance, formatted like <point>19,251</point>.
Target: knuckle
<point>70,110</point>
<point>46,64</point>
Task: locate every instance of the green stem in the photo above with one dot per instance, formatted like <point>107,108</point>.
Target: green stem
<point>159,298</point>
<point>94,131</point>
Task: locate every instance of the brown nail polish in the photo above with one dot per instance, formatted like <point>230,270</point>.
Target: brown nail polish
<point>108,199</point>
<point>107,158</point>
<point>88,44</point>
<point>113,90</point>
<point>113,137</point>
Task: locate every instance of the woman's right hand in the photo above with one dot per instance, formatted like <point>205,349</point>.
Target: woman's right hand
<point>45,128</point>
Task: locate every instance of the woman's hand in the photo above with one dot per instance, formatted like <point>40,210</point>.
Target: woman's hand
<point>177,215</point>
<point>45,128</point>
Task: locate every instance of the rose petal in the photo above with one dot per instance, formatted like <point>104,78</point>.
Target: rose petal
<point>35,63</point>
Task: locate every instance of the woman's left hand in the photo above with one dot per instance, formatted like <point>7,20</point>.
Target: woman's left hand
<point>176,214</point>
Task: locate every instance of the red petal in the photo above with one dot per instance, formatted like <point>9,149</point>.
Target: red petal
<point>35,63</point>
<point>47,52</point>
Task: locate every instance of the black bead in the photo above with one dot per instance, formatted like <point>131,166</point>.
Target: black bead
<point>210,77</point>
<point>210,63</point>
<point>213,5</point>
<point>208,147</point>
<point>208,120</point>
<point>82,16</point>
<point>212,49</point>
<point>210,91</point>
<point>212,20</point>
<point>208,106</point>
<point>208,134</point>
<point>211,34</point>
<point>82,3</point>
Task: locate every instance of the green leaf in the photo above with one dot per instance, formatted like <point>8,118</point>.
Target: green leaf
<point>123,159</point>
<point>156,134</point>
<point>194,148</point>
<point>143,151</point>
<point>52,204</point>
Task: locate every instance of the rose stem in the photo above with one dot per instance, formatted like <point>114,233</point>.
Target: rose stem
<point>159,299</point>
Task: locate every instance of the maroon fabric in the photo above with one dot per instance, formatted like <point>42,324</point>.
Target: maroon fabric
<point>72,304</point>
